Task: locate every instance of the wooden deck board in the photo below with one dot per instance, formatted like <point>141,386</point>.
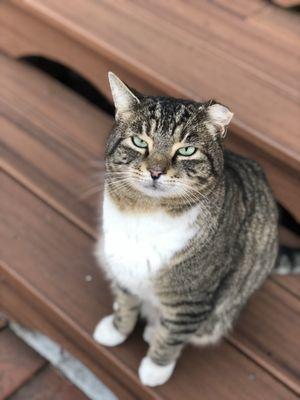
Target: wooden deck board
<point>60,275</point>
<point>55,256</point>
<point>242,8</point>
<point>18,363</point>
<point>38,314</point>
<point>3,322</point>
<point>51,129</point>
<point>262,90</point>
<point>258,74</point>
<point>48,385</point>
<point>40,121</point>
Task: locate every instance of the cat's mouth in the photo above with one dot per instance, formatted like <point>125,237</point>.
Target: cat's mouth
<point>154,186</point>
<point>154,189</point>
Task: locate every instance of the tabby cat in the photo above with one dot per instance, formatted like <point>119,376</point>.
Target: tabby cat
<point>189,229</point>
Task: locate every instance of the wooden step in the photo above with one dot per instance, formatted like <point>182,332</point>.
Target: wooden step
<point>49,384</point>
<point>54,110</point>
<point>26,375</point>
<point>50,281</point>
<point>73,306</point>
<point>188,50</point>
<point>18,363</point>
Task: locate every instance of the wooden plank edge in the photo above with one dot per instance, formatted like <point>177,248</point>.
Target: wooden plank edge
<point>76,338</point>
<point>276,280</point>
<point>283,379</point>
<point>270,367</point>
<point>37,313</point>
<point>49,200</point>
<point>267,366</point>
<point>3,319</point>
<point>287,156</point>
<point>31,319</point>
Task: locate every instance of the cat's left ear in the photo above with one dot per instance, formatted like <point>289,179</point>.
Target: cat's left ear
<point>125,101</point>
<point>220,116</point>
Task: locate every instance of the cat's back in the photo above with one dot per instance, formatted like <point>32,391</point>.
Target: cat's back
<point>247,179</point>
<point>246,172</point>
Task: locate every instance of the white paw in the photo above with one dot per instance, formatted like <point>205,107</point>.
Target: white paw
<point>105,332</point>
<point>152,374</point>
<point>148,333</point>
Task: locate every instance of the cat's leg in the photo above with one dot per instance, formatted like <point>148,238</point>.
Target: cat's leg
<point>220,321</point>
<point>115,328</point>
<point>151,314</point>
<point>211,332</point>
<point>172,333</point>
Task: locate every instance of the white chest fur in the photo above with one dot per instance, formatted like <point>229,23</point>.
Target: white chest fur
<point>137,246</point>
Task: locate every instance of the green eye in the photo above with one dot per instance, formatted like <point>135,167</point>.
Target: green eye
<point>187,151</point>
<point>138,142</point>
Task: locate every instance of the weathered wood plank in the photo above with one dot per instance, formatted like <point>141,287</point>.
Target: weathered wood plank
<point>37,314</point>
<point>287,3</point>
<point>241,8</point>
<point>18,363</point>
<point>49,385</point>
<point>259,119</point>
<point>42,120</point>
<point>58,276</point>
<point>3,321</point>
<point>161,66</point>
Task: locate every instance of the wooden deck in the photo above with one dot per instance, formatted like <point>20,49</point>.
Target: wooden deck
<point>244,53</point>
<point>49,279</point>
<point>25,375</point>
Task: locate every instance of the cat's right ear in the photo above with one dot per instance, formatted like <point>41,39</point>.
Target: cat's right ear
<point>125,101</point>
<point>220,116</point>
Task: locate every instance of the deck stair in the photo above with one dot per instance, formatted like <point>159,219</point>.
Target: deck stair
<point>244,53</point>
<point>50,136</point>
<point>49,279</point>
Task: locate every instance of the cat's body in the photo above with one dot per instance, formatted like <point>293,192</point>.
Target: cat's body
<point>138,249</point>
<point>186,260</point>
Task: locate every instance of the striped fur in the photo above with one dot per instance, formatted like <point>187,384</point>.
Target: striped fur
<point>200,289</point>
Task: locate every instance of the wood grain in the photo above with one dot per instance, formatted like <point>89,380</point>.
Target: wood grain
<point>49,385</point>
<point>37,314</point>
<point>241,8</point>
<point>59,274</point>
<point>234,76</point>
<point>3,321</point>
<point>257,75</point>
<point>42,120</point>
<point>18,363</point>
<point>286,3</point>
<point>63,148</point>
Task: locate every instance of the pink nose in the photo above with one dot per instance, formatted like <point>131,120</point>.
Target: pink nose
<point>155,173</point>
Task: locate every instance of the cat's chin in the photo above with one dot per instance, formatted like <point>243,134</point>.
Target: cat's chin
<point>156,191</point>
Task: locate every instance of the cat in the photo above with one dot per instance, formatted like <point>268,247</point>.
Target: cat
<point>189,232</point>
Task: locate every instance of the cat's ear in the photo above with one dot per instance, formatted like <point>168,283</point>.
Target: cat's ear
<point>124,100</point>
<point>220,116</point>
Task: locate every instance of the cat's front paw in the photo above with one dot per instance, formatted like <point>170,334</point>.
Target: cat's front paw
<point>106,333</point>
<point>152,374</point>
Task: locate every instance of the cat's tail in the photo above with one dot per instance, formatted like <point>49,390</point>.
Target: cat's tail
<point>288,261</point>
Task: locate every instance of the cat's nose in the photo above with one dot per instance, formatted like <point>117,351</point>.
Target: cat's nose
<point>155,173</point>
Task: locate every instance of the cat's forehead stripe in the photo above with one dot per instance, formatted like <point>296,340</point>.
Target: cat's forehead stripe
<point>152,127</point>
<point>144,128</point>
<point>166,119</point>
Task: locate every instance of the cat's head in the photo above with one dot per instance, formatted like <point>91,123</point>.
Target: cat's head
<point>161,147</point>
